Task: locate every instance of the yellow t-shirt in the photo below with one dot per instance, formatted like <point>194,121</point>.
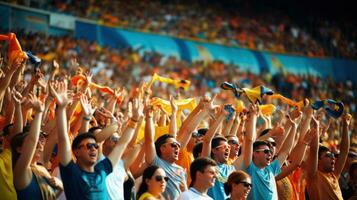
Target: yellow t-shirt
<point>328,187</point>
<point>146,195</point>
<point>7,189</point>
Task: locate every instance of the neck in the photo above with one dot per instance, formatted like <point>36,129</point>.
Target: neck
<point>85,167</point>
<point>261,166</point>
<point>200,188</point>
<point>156,194</point>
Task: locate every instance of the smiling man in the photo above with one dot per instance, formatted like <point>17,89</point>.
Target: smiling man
<point>203,173</point>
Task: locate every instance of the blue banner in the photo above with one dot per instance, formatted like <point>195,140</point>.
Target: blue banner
<point>190,51</point>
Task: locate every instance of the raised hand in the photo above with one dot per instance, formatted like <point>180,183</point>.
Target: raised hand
<point>35,103</point>
<point>138,108</point>
<point>60,93</point>
<point>86,106</point>
<point>17,97</point>
<point>174,106</point>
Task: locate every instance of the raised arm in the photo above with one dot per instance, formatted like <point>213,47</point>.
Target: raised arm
<point>288,143</point>
<point>128,133</point>
<point>150,151</point>
<point>251,132</point>
<point>18,123</point>
<point>207,139</point>
<point>173,124</point>
<point>311,164</point>
<point>191,123</point>
<point>62,100</point>
<point>22,169</point>
<point>87,113</point>
<point>297,156</point>
<point>345,145</point>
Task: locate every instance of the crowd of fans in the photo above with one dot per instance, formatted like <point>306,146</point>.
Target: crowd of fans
<point>63,140</point>
<point>266,31</point>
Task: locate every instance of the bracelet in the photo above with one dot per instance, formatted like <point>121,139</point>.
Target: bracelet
<point>87,118</point>
<point>131,124</point>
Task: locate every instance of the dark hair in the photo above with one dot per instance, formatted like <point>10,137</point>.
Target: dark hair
<point>257,144</point>
<point>16,142</point>
<point>322,149</point>
<point>264,132</point>
<point>353,167</point>
<point>147,174</point>
<point>6,129</point>
<point>80,137</point>
<point>199,165</point>
<point>160,141</point>
<point>197,150</point>
<point>215,143</point>
<point>234,177</point>
<point>93,129</point>
<point>202,131</point>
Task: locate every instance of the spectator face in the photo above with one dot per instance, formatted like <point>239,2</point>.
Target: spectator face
<point>241,189</point>
<point>262,156</point>
<point>235,146</point>
<point>208,176</point>
<point>327,161</point>
<point>87,151</point>
<point>157,183</point>
<point>170,150</point>
<point>221,152</point>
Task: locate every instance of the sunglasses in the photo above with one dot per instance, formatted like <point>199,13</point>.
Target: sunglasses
<point>160,178</point>
<point>175,145</point>
<point>233,142</point>
<point>245,184</point>
<point>114,139</point>
<point>43,135</point>
<point>330,155</point>
<point>266,151</point>
<point>90,145</point>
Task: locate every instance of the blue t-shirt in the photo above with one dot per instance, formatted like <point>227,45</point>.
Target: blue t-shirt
<point>80,184</point>
<point>177,175</point>
<point>32,190</point>
<point>263,180</point>
<point>217,191</point>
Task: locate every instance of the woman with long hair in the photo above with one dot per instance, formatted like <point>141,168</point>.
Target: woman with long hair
<point>153,184</point>
<point>238,185</point>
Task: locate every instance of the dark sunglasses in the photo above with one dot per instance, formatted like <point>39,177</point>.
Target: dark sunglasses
<point>266,151</point>
<point>175,144</point>
<point>245,184</point>
<point>114,139</point>
<point>233,142</point>
<point>90,145</point>
<point>330,155</point>
<point>160,178</point>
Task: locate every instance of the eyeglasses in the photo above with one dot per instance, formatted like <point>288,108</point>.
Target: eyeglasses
<point>330,155</point>
<point>175,145</point>
<point>266,151</point>
<point>90,145</point>
<point>160,178</point>
<point>233,142</point>
<point>225,146</point>
<point>245,184</point>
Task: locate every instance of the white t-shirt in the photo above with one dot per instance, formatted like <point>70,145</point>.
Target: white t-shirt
<point>193,194</point>
<point>115,182</point>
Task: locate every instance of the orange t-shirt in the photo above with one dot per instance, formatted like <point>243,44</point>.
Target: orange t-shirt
<point>328,187</point>
<point>185,159</point>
